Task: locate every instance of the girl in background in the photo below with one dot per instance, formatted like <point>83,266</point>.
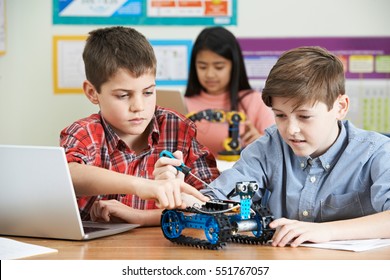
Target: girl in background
<point>218,80</point>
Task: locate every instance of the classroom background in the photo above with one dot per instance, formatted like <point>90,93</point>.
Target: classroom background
<point>32,114</point>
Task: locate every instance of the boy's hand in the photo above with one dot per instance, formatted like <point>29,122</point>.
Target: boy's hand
<point>167,193</point>
<point>190,200</point>
<point>109,211</point>
<point>250,134</point>
<point>295,232</point>
<point>164,168</point>
<point>112,211</point>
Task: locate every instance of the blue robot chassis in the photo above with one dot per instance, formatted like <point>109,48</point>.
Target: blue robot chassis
<point>221,220</point>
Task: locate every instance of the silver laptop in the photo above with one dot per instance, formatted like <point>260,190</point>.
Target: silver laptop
<point>172,99</point>
<point>37,198</point>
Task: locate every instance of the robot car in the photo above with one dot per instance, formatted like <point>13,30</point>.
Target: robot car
<point>221,220</point>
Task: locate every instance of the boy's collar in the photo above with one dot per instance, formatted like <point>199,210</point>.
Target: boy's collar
<point>114,142</point>
<point>329,158</point>
<point>154,135</point>
<point>112,138</point>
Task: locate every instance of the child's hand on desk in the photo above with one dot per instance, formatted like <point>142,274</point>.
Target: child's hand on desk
<point>295,232</point>
<point>250,134</point>
<point>109,211</point>
<point>113,211</point>
<point>164,168</point>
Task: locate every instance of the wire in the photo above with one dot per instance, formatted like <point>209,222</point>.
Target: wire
<point>214,212</point>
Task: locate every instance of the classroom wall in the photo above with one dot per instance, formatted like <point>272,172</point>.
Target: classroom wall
<point>30,114</point>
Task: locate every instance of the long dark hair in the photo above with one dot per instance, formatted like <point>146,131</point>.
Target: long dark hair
<point>222,42</point>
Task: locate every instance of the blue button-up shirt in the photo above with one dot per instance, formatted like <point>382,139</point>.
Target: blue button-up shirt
<point>352,179</point>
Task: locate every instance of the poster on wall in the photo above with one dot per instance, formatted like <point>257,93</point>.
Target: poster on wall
<point>145,12</point>
<point>68,67</point>
<point>173,58</point>
<point>366,63</point>
<point>2,27</point>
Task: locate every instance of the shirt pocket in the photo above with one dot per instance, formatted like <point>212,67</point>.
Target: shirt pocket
<point>341,207</point>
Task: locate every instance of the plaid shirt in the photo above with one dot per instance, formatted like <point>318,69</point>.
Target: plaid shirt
<point>92,141</point>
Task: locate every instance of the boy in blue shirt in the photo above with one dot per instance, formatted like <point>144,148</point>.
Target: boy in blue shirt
<point>327,179</point>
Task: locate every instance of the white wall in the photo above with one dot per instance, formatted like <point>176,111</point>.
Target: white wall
<point>30,114</point>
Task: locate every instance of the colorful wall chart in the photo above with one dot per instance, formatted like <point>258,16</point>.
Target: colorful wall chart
<point>362,57</point>
<point>145,12</point>
<point>367,69</point>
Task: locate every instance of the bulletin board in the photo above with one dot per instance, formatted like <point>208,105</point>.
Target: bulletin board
<point>173,58</point>
<point>68,65</point>
<point>2,27</point>
<point>145,12</point>
<point>367,70</point>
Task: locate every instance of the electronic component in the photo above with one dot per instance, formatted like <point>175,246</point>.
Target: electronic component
<point>221,221</point>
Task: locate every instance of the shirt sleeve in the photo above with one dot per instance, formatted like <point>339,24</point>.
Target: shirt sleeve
<point>200,159</point>
<point>178,133</point>
<point>252,166</point>
<point>380,174</point>
<point>79,144</point>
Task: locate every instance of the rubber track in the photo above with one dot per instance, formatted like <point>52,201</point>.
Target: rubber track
<point>225,233</point>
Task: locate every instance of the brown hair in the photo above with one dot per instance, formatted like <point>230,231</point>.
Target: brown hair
<point>109,49</point>
<point>307,75</point>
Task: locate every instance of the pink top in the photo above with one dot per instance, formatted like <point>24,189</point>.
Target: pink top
<point>212,134</point>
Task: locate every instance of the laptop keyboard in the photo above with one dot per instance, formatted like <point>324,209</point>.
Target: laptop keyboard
<point>92,229</point>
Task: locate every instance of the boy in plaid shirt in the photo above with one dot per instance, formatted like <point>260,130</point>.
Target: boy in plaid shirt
<point>112,154</point>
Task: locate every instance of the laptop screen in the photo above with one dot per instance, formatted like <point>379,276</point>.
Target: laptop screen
<point>37,197</point>
<point>172,99</point>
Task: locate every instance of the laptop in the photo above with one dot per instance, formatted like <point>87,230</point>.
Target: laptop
<point>172,99</point>
<point>37,198</point>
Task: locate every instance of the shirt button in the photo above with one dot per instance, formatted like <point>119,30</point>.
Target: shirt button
<point>302,164</point>
<point>312,179</point>
<point>305,213</point>
<point>327,166</point>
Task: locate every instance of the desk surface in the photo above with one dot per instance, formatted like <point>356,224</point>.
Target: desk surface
<point>149,244</point>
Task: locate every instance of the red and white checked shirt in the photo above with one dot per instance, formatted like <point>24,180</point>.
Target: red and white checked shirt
<point>92,141</point>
